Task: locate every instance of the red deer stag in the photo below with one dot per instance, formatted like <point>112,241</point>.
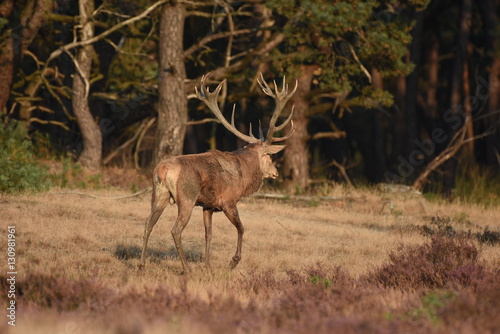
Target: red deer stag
<point>216,180</point>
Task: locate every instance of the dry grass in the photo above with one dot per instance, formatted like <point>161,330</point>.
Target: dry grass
<point>73,239</point>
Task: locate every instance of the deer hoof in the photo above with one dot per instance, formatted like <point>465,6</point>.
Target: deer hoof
<point>234,262</point>
<point>186,271</point>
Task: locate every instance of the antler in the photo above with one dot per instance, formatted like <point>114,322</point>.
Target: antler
<point>210,99</point>
<point>281,98</point>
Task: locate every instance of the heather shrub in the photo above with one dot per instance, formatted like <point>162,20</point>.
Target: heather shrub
<point>58,292</point>
<point>156,301</point>
<point>478,304</point>
<point>435,264</point>
<point>442,226</point>
<point>488,237</point>
<point>320,300</point>
<point>259,283</point>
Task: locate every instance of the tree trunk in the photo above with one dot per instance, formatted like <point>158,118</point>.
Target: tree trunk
<point>172,104</point>
<point>91,155</point>
<point>23,26</point>
<point>296,156</point>
<point>379,163</point>
<point>455,94</point>
<point>431,108</point>
<point>491,143</point>
<point>412,83</point>
<point>398,122</point>
<point>468,148</point>
<point>428,102</point>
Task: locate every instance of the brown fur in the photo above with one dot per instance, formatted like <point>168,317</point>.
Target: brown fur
<point>213,180</point>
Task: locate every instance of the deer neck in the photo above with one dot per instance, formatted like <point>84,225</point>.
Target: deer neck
<point>252,176</point>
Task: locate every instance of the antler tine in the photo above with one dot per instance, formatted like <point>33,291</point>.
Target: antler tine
<point>232,115</point>
<point>265,87</point>
<point>261,134</point>
<point>281,98</point>
<point>289,118</point>
<point>280,139</point>
<point>210,99</point>
<point>250,131</point>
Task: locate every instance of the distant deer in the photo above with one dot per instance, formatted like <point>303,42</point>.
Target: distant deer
<point>216,180</point>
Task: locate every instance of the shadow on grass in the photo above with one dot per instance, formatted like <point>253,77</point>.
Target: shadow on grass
<point>127,252</point>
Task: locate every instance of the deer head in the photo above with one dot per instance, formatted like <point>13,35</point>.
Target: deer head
<point>280,97</point>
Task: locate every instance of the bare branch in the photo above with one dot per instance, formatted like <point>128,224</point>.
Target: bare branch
<point>41,121</point>
<point>363,68</point>
<point>330,135</point>
<point>111,30</point>
<point>203,121</point>
<point>214,37</point>
<point>139,141</point>
<point>82,75</point>
<point>343,171</point>
<point>110,156</point>
<point>56,96</point>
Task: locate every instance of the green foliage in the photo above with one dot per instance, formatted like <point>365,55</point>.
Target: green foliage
<point>345,39</point>
<point>473,185</point>
<point>432,304</point>
<point>72,175</point>
<point>318,280</point>
<point>134,70</point>
<point>479,186</point>
<point>19,172</point>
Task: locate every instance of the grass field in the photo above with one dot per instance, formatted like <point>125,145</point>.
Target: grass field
<point>373,263</point>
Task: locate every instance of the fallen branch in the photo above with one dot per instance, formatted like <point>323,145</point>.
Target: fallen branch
<point>343,171</point>
<point>305,198</point>
<point>101,197</point>
<point>113,154</point>
<point>455,144</point>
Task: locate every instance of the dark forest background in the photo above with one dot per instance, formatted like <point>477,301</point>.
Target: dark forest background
<point>389,91</point>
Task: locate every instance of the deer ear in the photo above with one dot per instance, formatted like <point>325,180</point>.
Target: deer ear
<point>273,149</point>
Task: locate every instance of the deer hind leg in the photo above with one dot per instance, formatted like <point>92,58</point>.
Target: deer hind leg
<point>207,220</point>
<point>184,213</point>
<point>159,201</point>
<point>234,218</point>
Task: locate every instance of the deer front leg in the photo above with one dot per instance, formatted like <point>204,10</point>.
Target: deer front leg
<point>181,222</point>
<point>207,220</point>
<point>233,216</point>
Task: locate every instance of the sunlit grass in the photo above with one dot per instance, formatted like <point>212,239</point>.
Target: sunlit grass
<point>327,246</point>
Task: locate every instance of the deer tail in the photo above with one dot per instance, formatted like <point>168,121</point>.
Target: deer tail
<point>163,187</point>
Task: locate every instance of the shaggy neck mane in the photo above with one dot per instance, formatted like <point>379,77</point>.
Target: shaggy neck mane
<point>251,175</point>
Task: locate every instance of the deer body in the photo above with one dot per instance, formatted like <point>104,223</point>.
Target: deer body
<point>214,180</point>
